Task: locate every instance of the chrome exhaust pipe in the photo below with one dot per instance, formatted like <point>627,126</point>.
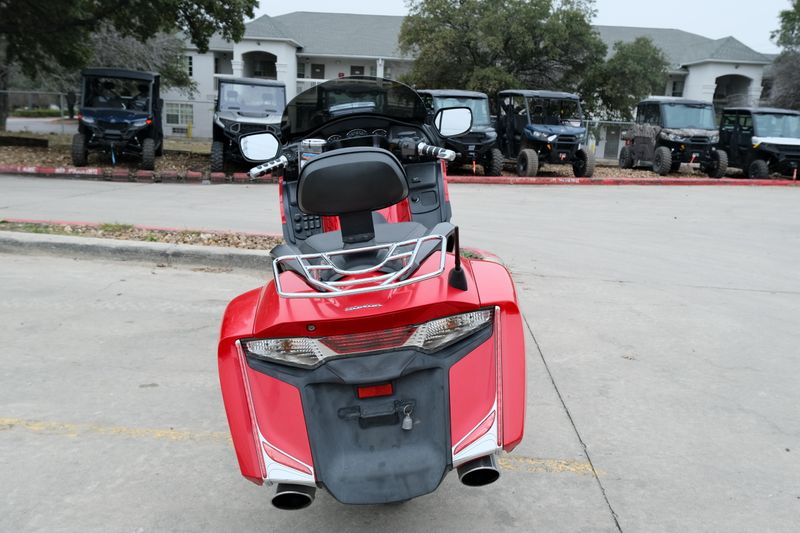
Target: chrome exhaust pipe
<point>479,472</point>
<point>293,497</point>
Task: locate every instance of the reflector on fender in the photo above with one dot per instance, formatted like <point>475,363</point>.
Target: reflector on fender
<point>429,337</point>
<point>374,391</point>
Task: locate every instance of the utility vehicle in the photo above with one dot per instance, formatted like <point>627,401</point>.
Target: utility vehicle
<point>120,113</point>
<point>543,127</point>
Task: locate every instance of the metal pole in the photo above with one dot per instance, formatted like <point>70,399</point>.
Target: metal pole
<point>61,110</point>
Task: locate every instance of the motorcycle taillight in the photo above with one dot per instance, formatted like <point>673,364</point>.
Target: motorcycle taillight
<point>369,342</point>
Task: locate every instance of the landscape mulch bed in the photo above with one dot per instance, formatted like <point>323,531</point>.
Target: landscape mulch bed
<point>129,232</point>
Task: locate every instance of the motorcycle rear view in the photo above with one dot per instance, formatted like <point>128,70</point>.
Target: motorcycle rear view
<point>377,359</point>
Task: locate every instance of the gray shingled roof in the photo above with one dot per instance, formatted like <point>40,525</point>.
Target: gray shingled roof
<point>343,34</point>
<point>266,27</point>
<point>681,47</point>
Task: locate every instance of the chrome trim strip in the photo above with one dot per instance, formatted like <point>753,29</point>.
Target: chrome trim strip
<point>251,408</point>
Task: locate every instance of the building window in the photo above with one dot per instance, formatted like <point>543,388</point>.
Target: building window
<point>189,65</point>
<point>301,70</point>
<point>356,70</point>
<point>318,71</point>
<point>387,72</point>
<point>677,88</point>
<point>179,114</point>
<point>373,71</point>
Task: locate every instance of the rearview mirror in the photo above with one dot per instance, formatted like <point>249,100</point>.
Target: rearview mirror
<point>257,147</point>
<point>452,121</point>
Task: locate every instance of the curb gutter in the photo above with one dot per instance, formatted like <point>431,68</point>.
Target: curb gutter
<point>189,176</point>
<point>138,176</point>
<point>681,182</point>
<point>119,250</point>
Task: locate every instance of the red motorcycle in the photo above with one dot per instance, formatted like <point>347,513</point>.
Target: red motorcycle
<point>378,359</point>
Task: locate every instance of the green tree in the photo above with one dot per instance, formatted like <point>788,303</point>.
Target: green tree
<point>636,69</point>
<point>489,45</point>
<point>785,71</point>
<point>40,36</point>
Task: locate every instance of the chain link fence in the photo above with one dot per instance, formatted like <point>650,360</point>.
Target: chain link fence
<point>607,137</point>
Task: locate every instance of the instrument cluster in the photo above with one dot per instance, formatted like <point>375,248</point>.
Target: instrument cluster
<point>358,132</point>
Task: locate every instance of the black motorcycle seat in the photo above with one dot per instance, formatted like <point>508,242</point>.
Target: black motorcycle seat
<point>384,233</point>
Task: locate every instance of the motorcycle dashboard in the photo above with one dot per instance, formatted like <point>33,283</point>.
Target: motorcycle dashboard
<point>366,131</point>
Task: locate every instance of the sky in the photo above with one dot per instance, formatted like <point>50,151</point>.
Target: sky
<point>751,23</point>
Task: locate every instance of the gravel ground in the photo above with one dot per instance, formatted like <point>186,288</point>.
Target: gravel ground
<point>134,233</point>
<point>59,155</point>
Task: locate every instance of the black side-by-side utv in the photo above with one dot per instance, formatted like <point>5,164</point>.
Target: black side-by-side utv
<point>479,144</point>
<point>120,113</point>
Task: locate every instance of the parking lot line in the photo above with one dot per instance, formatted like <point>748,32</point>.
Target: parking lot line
<point>508,463</point>
<point>74,430</point>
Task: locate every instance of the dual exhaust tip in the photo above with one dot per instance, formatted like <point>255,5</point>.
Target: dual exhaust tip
<point>293,497</point>
<point>476,473</point>
<point>479,472</point>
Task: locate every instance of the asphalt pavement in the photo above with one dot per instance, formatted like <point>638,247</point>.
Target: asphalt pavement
<point>662,367</point>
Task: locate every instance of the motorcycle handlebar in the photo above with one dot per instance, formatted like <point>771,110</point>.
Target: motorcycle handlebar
<point>435,151</point>
<point>260,170</point>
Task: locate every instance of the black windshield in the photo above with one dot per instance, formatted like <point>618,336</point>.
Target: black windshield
<point>346,96</point>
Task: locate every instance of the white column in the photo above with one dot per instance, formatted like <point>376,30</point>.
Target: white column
<point>379,68</point>
<point>237,64</point>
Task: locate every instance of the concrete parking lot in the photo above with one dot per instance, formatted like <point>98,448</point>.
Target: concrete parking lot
<point>662,367</point>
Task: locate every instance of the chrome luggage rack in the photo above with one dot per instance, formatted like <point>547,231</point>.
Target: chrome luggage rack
<point>313,267</point>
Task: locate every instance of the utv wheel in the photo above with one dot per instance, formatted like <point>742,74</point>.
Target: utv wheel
<point>662,161</point>
<point>79,153</point>
<point>527,163</point>
<point>494,167</point>
<point>758,169</point>
<point>149,154</point>
<point>719,164</point>
<point>583,167</point>
<point>217,156</point>
<point>625,157</point>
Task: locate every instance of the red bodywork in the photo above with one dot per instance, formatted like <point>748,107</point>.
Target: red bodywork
<point>493,374</point>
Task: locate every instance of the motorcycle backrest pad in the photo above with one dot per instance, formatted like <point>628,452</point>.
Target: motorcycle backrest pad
<point>351,180</point>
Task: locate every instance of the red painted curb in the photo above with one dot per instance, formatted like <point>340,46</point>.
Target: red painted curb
<point>512,180</point>
<point>137,226</point>
<point>120,175</point>
<point>170,176</point>
<point>193,176</point>
<point>51,171</point>
<point>145,176</point>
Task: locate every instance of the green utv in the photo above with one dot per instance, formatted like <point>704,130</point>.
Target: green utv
<point>670,131</point>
